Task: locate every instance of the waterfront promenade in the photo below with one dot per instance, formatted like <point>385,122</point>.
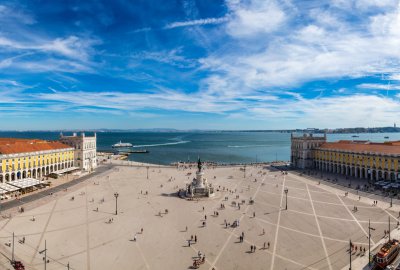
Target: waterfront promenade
<point>80,226</point>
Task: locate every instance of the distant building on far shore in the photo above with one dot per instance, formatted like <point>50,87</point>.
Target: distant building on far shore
<point>85,150</point>
<point>359,159</point>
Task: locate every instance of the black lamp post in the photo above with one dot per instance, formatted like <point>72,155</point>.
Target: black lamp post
<point>45,254</point>
<point>116,202</point>
<point>286,192</point>
<point>350,250</point>
<point>369,241</point>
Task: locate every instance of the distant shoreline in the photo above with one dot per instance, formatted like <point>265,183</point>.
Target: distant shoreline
<point>316,131</point>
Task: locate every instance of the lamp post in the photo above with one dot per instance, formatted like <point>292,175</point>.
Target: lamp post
<point>147,172</point>
<point>350,250</point>
<point>45,254</point>
<point>369,241</point>
<point>13,258</point>
<point>286,192</point>
<point>391,200</point>
<point>116,202</point>
<point>244,171</point>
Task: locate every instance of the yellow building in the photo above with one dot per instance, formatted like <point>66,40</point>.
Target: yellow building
<point>32,158</point>
<point>358,159</point>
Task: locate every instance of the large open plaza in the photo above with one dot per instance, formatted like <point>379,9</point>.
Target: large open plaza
<point>80,226</point>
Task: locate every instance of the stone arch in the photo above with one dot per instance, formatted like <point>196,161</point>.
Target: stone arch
<point>12,176</point>
<point>385,175</point>
<point>1,178</point>
<point>7,177</point>
<point>24,174</point>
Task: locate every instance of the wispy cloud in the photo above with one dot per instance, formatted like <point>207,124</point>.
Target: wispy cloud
<point>197,22</point>
<point>378,86</point>
<point>144,29</point>
<point>172,57</point>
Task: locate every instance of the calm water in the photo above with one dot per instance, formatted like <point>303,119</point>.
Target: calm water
<point>224,147</point>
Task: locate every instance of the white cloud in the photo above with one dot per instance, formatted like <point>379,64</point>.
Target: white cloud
<point>71,47</point>
<point>173,57</point>
<point>196,22</point>
<point>329,49</point>
<point>378,86</point>
<point>254,17</point>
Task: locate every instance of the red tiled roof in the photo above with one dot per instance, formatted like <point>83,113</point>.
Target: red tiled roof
<point>14,146</point>
<point>364,146</point>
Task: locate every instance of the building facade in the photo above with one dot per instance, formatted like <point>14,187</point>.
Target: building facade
<point>359,159</point>
<point>302,150</point>
<point>31,158</point>
<point>85,150</point>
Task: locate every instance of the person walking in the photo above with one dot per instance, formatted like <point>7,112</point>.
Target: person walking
<point>195,238</point>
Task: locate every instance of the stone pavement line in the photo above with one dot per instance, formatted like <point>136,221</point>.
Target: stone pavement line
<point>327,217</point>
<point>142,255</point>
<point>319,229</point>
<point>44,231</point>
<point>87,231</point>
<point>243,215</point>
<point>309,234</point>
<point>278,225</point>
<point>5,224</point>
<point>348,210</point>
<point>269,252</point>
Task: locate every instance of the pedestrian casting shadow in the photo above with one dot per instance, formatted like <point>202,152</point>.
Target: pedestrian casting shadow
<point>104,212</point>
<point>276,211</point>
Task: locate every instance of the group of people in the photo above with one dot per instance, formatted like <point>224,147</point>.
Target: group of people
<point>354,248</point>
<point>192,239</point>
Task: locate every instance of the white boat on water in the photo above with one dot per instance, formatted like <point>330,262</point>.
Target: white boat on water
<point>121,144</point>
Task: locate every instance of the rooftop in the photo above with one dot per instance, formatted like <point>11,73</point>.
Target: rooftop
<point>14,145</point>
<point>391,148</point>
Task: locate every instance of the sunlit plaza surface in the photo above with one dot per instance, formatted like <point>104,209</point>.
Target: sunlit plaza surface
<point>81,228</point>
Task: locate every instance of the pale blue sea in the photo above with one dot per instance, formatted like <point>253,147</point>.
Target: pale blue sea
<point>223,147</point>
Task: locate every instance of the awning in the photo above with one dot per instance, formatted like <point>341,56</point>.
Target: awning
<point>67,170</point>
<point>7,187</point>
<point>24,183</point>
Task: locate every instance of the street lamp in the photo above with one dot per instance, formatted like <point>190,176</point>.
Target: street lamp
<point>286,192</point>
<point>350,250</point>
<point>116,202</point>
<point>147,172</point>
<point>369,241</point>
<point>45,254</point>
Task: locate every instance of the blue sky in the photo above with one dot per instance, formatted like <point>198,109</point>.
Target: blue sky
<point>206,64</point>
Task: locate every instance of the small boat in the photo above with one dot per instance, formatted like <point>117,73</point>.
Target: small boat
<point>386,137</point>
<point>121,144</point>
<point>144,151</point>
<point>355,136</point>
<point>387,253</point>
